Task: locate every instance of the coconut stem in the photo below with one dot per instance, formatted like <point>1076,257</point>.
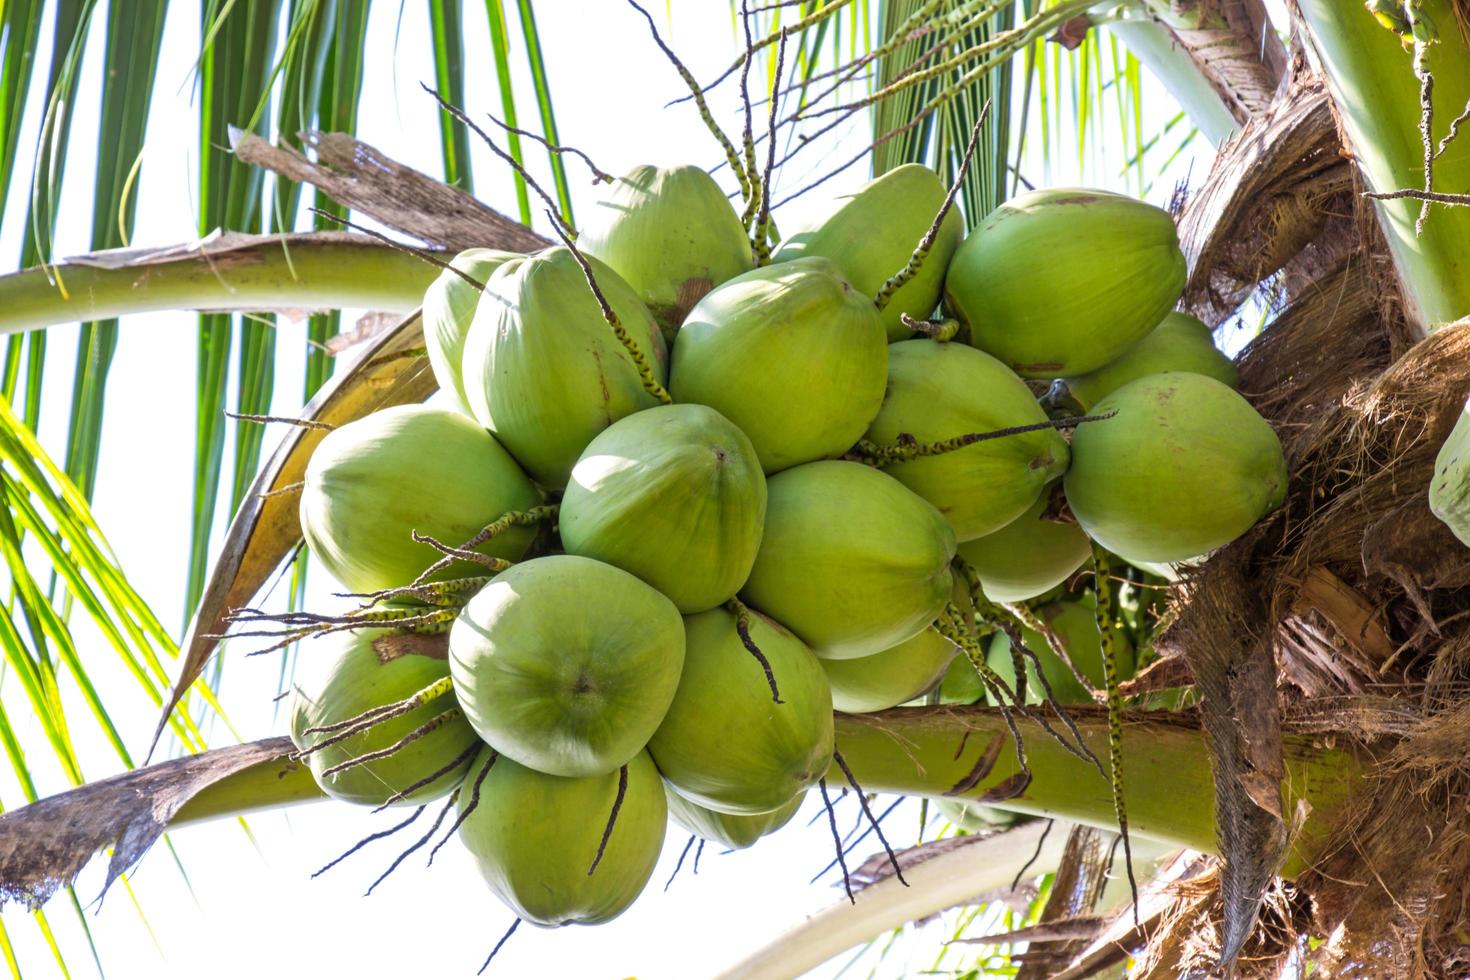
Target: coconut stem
<point>908,448</point>
<point>741,613</point>
<point>599,176</point>
<point>761,240</point>
<point>496,565</point>
<point>942,331</point>
<point>503,940</point>
<point>381,713</point>
<point>612,818</point>
<point>868,812</point>
<point>283,419</point>
<point>368,840</point>
<point>926,244</point>
<point>470,807</point>
<point>1036,624</point>
<point>398,746</point>
<point>836,839</point>
<point>503,523</point>
<point>1108,630</point>
<point>448,593</point>
<point>311,625</point>
<point>682,855</point>
<point>697,94</point>
<point>949,627</point>
<point>752,199</point>
<point>645,373</point>
<point>444,770</point>
<point>443,811</point>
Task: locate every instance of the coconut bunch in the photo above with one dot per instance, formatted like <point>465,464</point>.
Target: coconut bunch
<point>682,500</point>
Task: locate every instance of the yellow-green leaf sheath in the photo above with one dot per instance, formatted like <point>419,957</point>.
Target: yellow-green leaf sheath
<point>1449,494</point>
<point>734,830</point>
<point>671,233</point>
<point>891,677</point>
<point>793,354</point>
<point>1185,467</point>
<point>1059,282</point>
<point>535,836</point>
<point>343,675</point>
<point>544,371</point>
<point>872,232</point>
<point>372,483</point>
<point>1028,556</point>
<point>566,664</point>
<point>938,391</point>
<point>449,308</point>
<point>676,496</point>
<point>1180,343</point>
<point>725,744</point>
<point>852,561</point>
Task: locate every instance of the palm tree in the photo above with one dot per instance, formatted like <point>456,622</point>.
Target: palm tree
<point>1324,647</point>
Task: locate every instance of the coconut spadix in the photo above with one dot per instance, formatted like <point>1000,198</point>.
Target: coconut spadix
<point>371,484</point>
<point>733,830</point>
<point>726,743</point>
<point>1061,281</point>
<point>672,235</point>
<point>341,678</point>
<point>449,308</point>
<point>852,561</point>
<point>544,371</point>
<point>676,496</point>
<point>1184,467</point>
<point>535,838</point>
<point>943,391</point>
<point>871,234</point>
<point>566,664</point>
<point>793,354</point>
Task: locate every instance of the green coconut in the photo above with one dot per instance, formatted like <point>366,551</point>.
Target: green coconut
<point>725,743</point>
<point>872,232</point>
<point>370,484</point>
<point>1059,282</point>
<point>792,354</point>
<point>676,496</point>
<point>672,235</point>
<point>1449,493</point>
<point>938,391</point>
<point>566,664</point>
<point>852,561</point>
<point>1184,467</point>
<point>535,837</point>
<point>961,683</point>
<point>449,308</point>
<point>1074,624</point>
<point>1029,556</point>
<point>892,677</point>
<point>733,830</point>
<point>976,818</point>
<point>343,675</point>
<point>544,371</point>
<point>1180,343</point>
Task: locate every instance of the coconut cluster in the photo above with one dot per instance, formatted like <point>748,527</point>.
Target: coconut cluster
<point>680,505</point>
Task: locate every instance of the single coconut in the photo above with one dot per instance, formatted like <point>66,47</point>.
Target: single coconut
<point>1059,282</point>
<point>1180,343</point>
<point>726,743</point>
<point>852,561</point>
<point>372,483</point>
<point>343,675</point>
<point>1029,556</point>
<point>792,354</point>
<point>566,664</point>
<point>538,839</point>
<point>733,830</point>
<point>448,309</point>
<point>940,391</point>
<point>872,232</point>
<point>1184,467</point>
<point>544,371</point>
<point>672,235</point>
<point>891,677</point>
<point>676,496</point>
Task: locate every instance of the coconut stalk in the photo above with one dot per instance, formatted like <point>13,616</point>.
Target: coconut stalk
<point>1377,97</point>
<point>231,272</point>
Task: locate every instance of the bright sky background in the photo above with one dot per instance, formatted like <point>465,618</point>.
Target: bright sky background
<point>253,911</point>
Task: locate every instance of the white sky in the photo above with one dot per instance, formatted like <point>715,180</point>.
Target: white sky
<point>253,911</point>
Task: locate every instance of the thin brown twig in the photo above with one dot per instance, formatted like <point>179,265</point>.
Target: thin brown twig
<point>287,420</point>
<point>599,176</point>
